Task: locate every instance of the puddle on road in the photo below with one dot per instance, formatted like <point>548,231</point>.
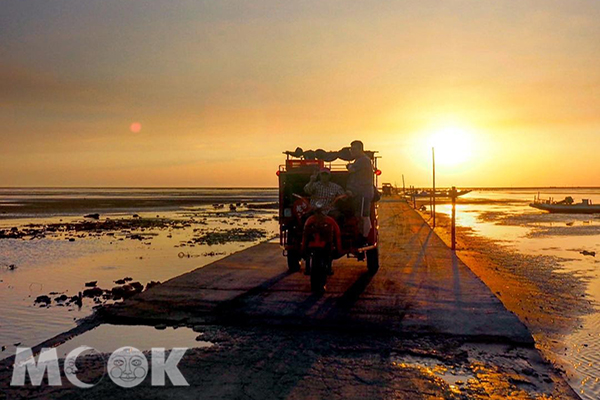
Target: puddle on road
<point>107,338</point>
<point>454,375</point>
<point>479,379</point>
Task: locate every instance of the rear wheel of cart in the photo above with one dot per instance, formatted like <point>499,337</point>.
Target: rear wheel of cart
<point>307,266</point>
<point>318,273</point>
<point>373,260</point>
<point>293,260</point>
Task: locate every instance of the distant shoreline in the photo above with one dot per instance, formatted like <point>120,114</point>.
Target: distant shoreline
<point>139,187</point>
<point>37,202</point>
<point>271,187</point>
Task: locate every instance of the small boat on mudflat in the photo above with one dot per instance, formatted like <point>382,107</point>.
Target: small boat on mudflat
<point>567,206</point>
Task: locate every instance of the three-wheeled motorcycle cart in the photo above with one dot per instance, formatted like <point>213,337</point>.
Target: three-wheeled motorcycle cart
<point>295,209</point>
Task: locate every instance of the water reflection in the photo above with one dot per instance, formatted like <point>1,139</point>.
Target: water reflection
<point>107,338</point>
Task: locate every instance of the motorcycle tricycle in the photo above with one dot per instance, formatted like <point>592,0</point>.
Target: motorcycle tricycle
<point>295,210</point>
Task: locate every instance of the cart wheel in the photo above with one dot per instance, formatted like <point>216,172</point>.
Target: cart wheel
<point>293,261</point>
<point>307,266</point>
<point>318,274</point>
<point>373,260</point>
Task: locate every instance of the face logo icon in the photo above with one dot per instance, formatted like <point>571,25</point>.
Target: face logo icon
<point>127,367</point>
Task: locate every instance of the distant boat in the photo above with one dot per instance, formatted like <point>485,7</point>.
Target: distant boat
<point>567,206</point>
<point>442,193</point>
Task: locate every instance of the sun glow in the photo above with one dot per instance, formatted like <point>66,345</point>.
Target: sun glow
<point>453,146</point>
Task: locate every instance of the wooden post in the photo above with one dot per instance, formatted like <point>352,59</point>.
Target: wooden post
<point>431,205</point>
<point>453,194</point>
<point>403,186</point>
<point>433,192</point>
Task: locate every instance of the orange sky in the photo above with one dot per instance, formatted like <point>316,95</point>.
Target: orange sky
<point>222,88</point>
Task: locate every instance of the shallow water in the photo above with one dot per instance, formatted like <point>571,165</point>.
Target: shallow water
<point>107,338</point>
<point>54,264</point>
<point>506,216</point>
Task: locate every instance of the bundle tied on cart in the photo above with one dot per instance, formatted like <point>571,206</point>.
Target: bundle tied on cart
<point>327,156</point>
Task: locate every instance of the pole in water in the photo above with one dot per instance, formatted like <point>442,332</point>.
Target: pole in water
<point>453,229</point>
<point>403,186</point>
<point>433,192</point>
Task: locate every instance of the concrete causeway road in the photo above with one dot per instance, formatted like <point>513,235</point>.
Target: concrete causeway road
<point>422,288</point>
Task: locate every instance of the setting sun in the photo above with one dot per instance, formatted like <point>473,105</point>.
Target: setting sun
<point>452,145</point>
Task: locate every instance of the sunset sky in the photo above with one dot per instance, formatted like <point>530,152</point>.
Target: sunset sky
<point>209,93</point>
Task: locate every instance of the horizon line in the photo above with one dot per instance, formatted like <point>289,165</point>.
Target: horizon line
<point>276,187</point>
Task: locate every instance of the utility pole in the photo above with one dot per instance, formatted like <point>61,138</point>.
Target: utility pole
<point>433,192</point>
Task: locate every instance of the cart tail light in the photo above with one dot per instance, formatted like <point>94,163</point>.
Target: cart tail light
<point>278,172</point>
<point>377,172</point>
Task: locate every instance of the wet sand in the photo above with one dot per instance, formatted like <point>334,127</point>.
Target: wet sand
<point>551,302</point>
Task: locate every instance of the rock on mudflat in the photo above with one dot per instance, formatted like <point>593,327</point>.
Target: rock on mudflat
<point>43,299</point>
<point>138,287</point>
<point>152,284</point>
<point>127,290</point>
<point>61,298</point>
<point>77,300</point>
<point>93,292</point>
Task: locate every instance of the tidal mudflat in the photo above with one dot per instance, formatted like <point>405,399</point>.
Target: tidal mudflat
<point>55,269</point>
